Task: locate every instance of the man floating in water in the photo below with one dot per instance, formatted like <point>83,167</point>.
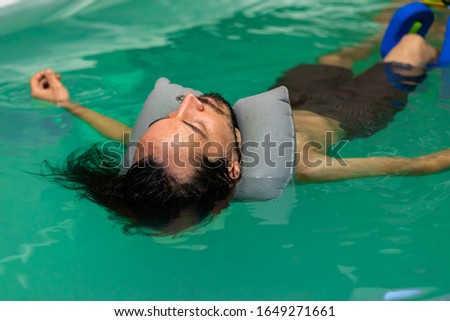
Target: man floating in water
<point>175,180</point>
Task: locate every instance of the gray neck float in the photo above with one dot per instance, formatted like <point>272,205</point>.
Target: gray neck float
<point>267,131</point>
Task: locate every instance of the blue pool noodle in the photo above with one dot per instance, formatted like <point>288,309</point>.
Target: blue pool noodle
<point>402,22</point>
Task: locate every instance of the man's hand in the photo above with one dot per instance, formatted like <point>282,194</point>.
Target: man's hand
<point>46,85</point>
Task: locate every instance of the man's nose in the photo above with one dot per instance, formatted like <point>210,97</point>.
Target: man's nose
<point>190,104</point>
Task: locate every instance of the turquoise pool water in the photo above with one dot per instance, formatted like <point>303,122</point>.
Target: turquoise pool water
<point>368,239</point>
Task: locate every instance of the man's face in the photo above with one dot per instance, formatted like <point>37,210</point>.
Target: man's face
<point>202,126</point>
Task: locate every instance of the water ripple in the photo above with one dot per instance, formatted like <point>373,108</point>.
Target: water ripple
<point>413,208</point>
<point>15,95</point>
<point>27,249</point>
<point>86,90</point>
<point>89,89</point>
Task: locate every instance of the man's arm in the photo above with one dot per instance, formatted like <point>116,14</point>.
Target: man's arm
<point>106,126</point>
<point>314,167</point>
<point>46,85</point>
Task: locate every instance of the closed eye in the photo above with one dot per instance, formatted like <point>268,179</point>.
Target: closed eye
<point>196,129</point>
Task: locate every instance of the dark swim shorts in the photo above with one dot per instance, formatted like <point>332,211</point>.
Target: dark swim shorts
<point>362,105</point>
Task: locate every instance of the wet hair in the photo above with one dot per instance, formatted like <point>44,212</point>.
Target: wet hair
<point>147,199</point>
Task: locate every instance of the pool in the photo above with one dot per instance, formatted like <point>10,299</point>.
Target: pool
<point>369,239</point>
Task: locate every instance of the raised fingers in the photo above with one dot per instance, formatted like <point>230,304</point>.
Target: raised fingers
<point>52,79</point>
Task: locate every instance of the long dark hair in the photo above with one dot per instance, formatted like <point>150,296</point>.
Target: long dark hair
<point>146,199</point>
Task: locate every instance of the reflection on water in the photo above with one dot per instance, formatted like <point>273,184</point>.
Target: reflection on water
<point>62,33</point>
<point>46,237</point>
<point>378,294</point>
<point>26,250</point>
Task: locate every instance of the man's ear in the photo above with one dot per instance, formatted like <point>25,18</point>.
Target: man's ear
<point>234,170</point>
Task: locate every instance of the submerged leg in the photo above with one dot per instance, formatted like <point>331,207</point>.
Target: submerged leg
<point>346,57</point>
<point>367,103</point>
